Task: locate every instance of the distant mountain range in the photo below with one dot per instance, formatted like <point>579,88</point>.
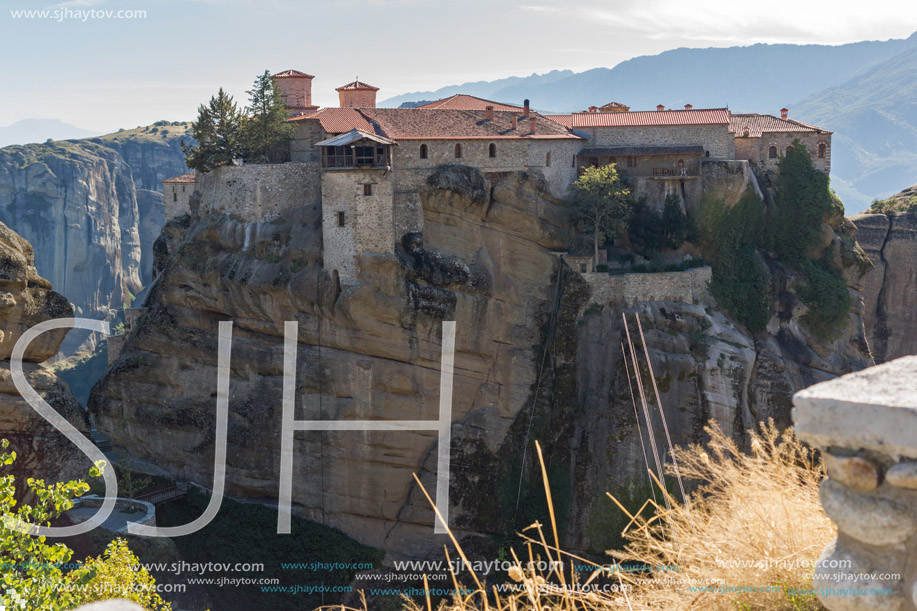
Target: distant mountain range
<point>28,131</point>
<point>864,92</point>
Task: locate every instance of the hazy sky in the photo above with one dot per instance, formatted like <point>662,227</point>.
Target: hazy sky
<point>105,73</point>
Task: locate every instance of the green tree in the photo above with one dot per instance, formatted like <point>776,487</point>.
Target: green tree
<point>803,201</point>
<point>218,131</point>
<point>32,578</point>
<point>601,204</point>
<point>266,128</point>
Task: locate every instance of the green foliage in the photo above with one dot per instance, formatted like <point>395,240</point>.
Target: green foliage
<point>827,297</point>
<point>247,532</point>
<point>729,238</point>
<point>899,203</point>
<point>802,203</point>
<point>32,576</point>
<point>266,128</point>
<point>600,204</point>
<point>218,131</point>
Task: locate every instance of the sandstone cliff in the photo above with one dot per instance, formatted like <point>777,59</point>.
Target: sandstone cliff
<point>91,209</point>
<point>26,299</point>
<point>890,289</point>
<point>372,351</point>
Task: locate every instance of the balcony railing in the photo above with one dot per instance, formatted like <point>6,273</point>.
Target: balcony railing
<point>350,160</point>
<point>664,172</point>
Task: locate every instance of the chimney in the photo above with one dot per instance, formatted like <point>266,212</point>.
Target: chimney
<point>593,109</point>
<point>490,113</point>
<point>532,124</point>
<point>515,120</point>
<point>688,106</point>
<point>783,113</point>
<point>660,107</point>
<point>525,108</point>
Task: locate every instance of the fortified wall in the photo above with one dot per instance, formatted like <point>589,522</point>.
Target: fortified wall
<point>259,192</point>
<point>689,286</point>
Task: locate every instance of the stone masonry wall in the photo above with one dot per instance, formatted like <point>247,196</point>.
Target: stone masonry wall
<point>756,150</point>
<point>689,286</point>
<point>714,138</point>
<point>302,146</point>
<point>177,199</point>
<point>259,192</point>
<point>865,425</point>
<point>368,219</point>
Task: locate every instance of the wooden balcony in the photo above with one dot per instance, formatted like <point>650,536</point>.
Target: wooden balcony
<point>661,172</point>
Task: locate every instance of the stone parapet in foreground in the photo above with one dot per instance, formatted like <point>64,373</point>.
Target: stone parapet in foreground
<point>865,424</point>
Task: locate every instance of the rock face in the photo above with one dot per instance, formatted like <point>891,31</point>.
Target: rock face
<point>536,359</point>
<point>26,299</point>
<point>91,210</point>
<point>890,287</point>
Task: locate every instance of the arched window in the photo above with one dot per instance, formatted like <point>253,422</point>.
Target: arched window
<point>423,151</point>
<point>547,159</point>
<point>458,151</point>
<point>789,149</point>
<point>822,150</point>
<point>772,152</point>
<point>492,150</point>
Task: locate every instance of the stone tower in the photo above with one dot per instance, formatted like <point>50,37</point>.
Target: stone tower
<point>296,88</point>
<point>357,95</point>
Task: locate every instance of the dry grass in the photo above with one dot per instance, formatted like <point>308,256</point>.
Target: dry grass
<point>755,521</point>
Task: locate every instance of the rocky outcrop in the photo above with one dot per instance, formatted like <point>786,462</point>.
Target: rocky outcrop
<point>91,210</point>
<point>534,361</point>
<point>890,287</point>
<point>26,299</point>
<point>369,351</point>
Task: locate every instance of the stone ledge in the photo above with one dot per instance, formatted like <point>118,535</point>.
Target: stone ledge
<point>874,409</point>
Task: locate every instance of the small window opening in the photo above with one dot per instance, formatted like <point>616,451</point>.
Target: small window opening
<point>367,190</point>
<point>491,151</point>
<point>772,152</point>
<point>458,151</point>
<point>341,219</point>
<point>423,151</point>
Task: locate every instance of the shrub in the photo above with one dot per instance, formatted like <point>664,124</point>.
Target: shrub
<point>653,231</point>
<point>828,300</point>
<point>32,577</point>
<point>802,203</point>
<point>729,238</point>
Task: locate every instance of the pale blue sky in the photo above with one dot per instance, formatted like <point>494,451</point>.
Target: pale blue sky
<point>103,74</point>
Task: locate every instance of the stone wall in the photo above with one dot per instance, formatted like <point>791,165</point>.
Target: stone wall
<point>865,424</point>
<point>368,219</point>
<point>714,138</point>
<point>259,192</point>
<point>305,136</point>
<point>177,198</point>
<point>689,286</point>
<point>756,150</point>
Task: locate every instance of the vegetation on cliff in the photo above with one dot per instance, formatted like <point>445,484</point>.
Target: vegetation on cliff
<point>905,201</point>
<point>796,234</point>
<point>33,571</point>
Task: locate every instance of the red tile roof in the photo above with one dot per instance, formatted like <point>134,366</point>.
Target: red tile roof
<point>448,124</point>
<point>190,177</point>
<point>644,118</point>
<point>357,86</point>
<point>461,101</point>
<point>292,74</point>
<point>759,124</point>
<point>338,120</point>
<point>434,124</point>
